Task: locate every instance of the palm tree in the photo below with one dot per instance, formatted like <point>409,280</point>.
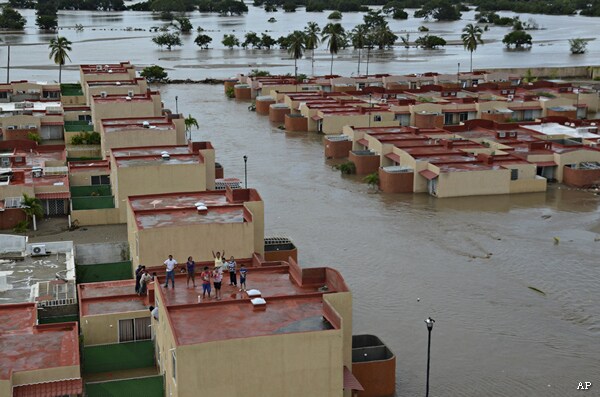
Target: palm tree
<point>296,47</point>
<point>335,35</point>
<point>190,122</point>
<point>59,52</point>
<point>32,207</point>
<point>359,40</point>
<point>312,31</point>
<point>471,38</point>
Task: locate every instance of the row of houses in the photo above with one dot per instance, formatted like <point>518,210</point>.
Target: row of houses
<point>447,135</point>
<point>291,327</point>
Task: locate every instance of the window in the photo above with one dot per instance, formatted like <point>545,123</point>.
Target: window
<point>514,174</point>
<point>3,95</point>
<point>51,94</point>
<point>100,179</point>
<point>448,118</point>
<point>463,116</point>
<point>377,118</point>
<point>134,329</point>
<point>85,117</point>
<point>174,364</point>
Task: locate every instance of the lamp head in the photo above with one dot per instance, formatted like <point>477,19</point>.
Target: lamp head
<point>429,322</point>
<point>245,158</point>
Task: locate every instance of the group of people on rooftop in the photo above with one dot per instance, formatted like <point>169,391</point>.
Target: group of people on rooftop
<point>207,274</point>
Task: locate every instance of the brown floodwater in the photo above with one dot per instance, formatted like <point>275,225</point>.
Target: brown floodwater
<point>467,262</point>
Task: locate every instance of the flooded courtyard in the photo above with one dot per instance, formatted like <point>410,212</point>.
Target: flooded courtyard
<point>476,265</point>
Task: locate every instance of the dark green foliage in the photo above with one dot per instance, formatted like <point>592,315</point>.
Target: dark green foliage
<point>517,38</point>
<point>169,40</point>
<point>154,74</point>
<point>203,40</point>
<point>86,138</point>
<point>11,19</point>
<point>46,15</point>
<point>430,42</point>
<point>230,41</point>
<point>440,10</point>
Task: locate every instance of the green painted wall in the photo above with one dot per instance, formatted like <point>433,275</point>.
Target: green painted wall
<point>120,356</point>
<point>147,387</point>
<point>103,272</point>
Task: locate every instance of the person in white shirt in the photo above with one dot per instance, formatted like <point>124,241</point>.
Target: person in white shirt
<point>154,312</point>
<point>170,264</point>
<point>144,280</point>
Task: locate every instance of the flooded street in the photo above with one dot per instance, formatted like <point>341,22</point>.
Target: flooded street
<point>493,336</point>
<point>467,262</point>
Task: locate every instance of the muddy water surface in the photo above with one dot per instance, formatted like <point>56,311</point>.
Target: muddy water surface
<point>467,262</point>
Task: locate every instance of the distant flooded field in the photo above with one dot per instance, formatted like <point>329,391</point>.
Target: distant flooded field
<point>111,35</point>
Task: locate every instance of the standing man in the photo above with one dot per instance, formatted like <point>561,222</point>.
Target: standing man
<point>231,265</point>
<point>170,264</point>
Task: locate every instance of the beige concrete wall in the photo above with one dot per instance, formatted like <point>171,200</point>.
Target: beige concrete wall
<point>164,344</point>
<point>85,178</point>
<point>5,388</point>
<point>15,191</point>
<point>574,157</point>
<point>257,209</point>
<point>473,183</point>
<point>73,100</point>
<point>559,72</point>
<point>138,137</point>
<point>45,375</point>
<point>114,90</point>
<point>209,169</point>
<point>537,184</point>
<point>156,179</point>
<point>73,115</point>
<point>122,109</point>
<point>199,241</point>
<point>103,216</point>
<point>292,365</point>
<point>21,121</point>
<point>104,329</point>
<point>341,302</point>
<point>83,150</point>
<point>334,124</point>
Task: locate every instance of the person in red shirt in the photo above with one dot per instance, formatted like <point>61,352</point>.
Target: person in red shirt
<point>205,276</point>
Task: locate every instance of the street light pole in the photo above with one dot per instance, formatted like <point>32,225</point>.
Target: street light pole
<point>458,74</point>
<point>245,172</point>
<point>429,322</point>
<point>371,105</point>
<point>176,105</point>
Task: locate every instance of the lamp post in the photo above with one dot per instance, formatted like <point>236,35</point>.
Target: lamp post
<point>176,105</point>
<point>458,74</point>
<point>429,322</point>
<point>245,172</point>
<point>371,105</point>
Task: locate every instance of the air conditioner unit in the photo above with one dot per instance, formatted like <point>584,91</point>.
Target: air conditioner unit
<point>103,94</point>
<point>36,172</point>
<point>98,67</point>
<point>38,249</point>
<point>130,93</point>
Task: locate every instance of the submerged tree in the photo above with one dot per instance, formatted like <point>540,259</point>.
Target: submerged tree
<point>359,37</point>
<point>169,40</point>
<point>312,31</point>
<point>578,46</point>
<point>335,35</point>
<point>471,38</point>
<point>296,47</point>
<point>59,53</point>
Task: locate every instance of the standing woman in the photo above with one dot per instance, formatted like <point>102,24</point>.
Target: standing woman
<point>231,265</point>
<point>191,271</point>
<point>217,280</point>
<point>218,258</point>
